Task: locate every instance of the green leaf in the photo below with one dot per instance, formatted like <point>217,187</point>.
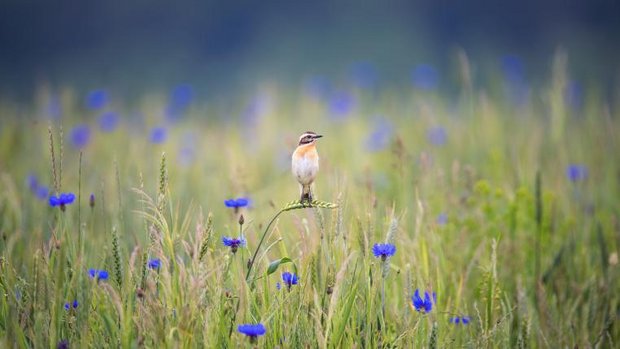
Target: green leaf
<point>273,266</point>
<point>341,323</point>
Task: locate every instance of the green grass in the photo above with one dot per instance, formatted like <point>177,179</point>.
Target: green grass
<point>534,264</point>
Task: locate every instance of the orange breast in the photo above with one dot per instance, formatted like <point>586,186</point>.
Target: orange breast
<point>307,151</point>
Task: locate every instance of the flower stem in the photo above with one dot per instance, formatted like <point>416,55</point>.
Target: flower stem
<point>251,264</point>
<point>383,294</point>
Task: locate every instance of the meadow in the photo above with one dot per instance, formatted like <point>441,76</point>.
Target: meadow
<point>501,202</point>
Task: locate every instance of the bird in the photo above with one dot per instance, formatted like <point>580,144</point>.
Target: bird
<point>305,163</point>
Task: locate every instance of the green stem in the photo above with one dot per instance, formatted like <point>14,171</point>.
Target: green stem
<point>383,297</point>
<point>247,275</point>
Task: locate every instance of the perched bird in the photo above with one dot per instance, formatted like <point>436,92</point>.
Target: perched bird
<point>305,163</point>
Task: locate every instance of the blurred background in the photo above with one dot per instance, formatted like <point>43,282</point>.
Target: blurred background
<point>219,47</point>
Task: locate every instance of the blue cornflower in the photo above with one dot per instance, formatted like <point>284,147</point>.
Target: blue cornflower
<point>158,135</point>
<point>63,344</point>
<point>436,135</point>
<point>54,108</point>
<point>237,203</point>
<point>32,182</point>
<point>108,121</point>
<point>252,331</point>
<point>42,192</point>
<point>61,200</point>
<point>180,99</point>
<point>442,219</point>
<point>423,304</point>
<point>80,136</point>
<point>97,99</point>
<point>154,263</point>
<point>516,86</point>
<point>457,320</point>
<point>383,250</point>
<point>38,190</point>
<point>233,243</point>
<point>364,74</point>
<point>98,274</point>
<point>341,104</point>
<point>573,95</point>
<point>289,279</point>
<point>186,156</point>
<point>425,77</point>
<point>318,86</point>
<point>379,138</point>
<point>513,69</point>
<point>73,304</point>
<point>576,172</point>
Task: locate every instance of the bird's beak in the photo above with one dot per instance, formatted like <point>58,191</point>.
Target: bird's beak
<point>317,136</point>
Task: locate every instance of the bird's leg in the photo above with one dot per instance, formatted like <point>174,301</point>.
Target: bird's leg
<point>302,193</point>
<point>305,194</point>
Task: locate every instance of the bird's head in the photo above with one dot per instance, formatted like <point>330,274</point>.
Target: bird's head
<point>308,137</point>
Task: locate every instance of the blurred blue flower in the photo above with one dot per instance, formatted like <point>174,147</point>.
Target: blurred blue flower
<point>67,306</point>
<point>576,172</point>
<point>108,121</point>
<point>98,274</point>
<point>32,182</point>
<point>380,137</point>
<point>456,320</point>
<point>236,203</point>
<point>251,330</point>
<point>341,104</point>
<point>425,77</point>
<point>513,68</point>
<point>258,107</point>
<point>289,279</point>
<point>54,109</point>
<point>186,156</point>
<point>436,135</point>
<point>233,243</point>
<point>63,344</point>
<point>573,95</point>
<point>278,286</point>
<point>423,304</point>
<point>97,99</point>
<point>61,200</point>
<point>154,263</point>
<point>91,200</point>
<point>363,74</point>
<point>383,250</point>
<point>318,86</point>
<point>158,135</point>
<point>442,219</point>
<point>513,71</point>
<point>42,192</point>
<point>80,136</point>
<point>180,99</point>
